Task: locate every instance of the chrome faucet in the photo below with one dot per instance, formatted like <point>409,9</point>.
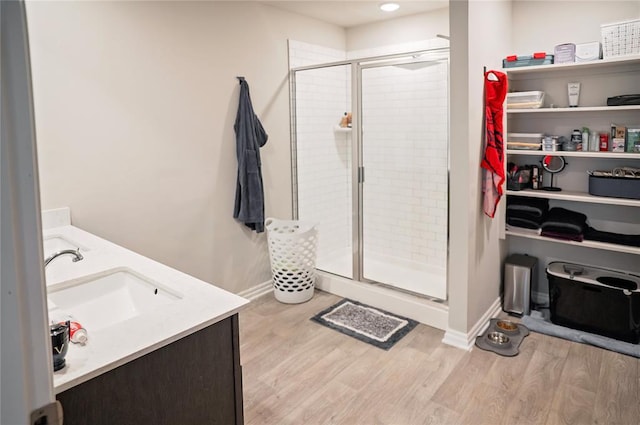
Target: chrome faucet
<point>75,253</point>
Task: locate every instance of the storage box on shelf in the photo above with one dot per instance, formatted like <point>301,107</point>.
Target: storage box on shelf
<point>524,141</point>
<point>621,38</point>
<point>599,80</point>
<point>586,52</point>
<point>538,58</point>
<point>525,100</point>
<point>616,187</point>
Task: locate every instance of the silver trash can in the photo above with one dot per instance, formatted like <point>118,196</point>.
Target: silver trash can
<point>519,274</point>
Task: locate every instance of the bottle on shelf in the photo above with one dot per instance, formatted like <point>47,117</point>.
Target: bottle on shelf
<point>604,142</point>
<point>594,141</point>
<point>576,141</point>
<point>585,139</point>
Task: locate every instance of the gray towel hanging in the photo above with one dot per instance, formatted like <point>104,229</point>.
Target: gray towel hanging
<point>250,137</point>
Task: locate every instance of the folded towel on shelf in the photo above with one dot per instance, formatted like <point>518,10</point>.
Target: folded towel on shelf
<point>524,204</point>
<point>523,230</point>
<point>617,238</point>
<point>536,218</point>
<point>523,222</point>
<point>578,237</point>
<point>561,220</point>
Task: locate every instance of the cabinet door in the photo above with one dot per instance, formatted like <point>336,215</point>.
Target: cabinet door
<point>194,380</point>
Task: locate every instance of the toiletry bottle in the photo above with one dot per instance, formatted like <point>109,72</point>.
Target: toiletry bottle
<point>344,121</point>
<point>574,94</point>
<point>576,140</point>
<point>585,139</point>
<point>77,334</point>
<point>594,142</point>
<point>604,142</point>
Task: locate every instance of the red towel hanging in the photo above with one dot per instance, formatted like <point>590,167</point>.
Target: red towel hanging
<point>495,90</point>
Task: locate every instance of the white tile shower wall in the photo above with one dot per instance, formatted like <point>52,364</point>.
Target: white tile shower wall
<point>323,155</point>
<point>405,152</point>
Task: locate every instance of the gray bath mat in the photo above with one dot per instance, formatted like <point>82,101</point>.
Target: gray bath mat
<point>538,322</point>
<point>369,324</point>
<point>509,349</point>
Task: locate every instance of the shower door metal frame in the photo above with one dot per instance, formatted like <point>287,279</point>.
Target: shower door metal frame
<point>357,166</point>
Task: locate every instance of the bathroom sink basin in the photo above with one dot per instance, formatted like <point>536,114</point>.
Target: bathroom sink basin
<point>55,243</point>
<point>105,299</point>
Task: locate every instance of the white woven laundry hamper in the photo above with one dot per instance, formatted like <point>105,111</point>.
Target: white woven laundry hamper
<point>292,249</point>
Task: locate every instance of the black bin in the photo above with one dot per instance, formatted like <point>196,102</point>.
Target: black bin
<point>595,300</point>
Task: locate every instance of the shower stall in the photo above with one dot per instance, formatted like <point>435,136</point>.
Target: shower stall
<point>377,188</point>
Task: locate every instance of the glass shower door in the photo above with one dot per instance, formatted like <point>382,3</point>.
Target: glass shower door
<point>323,163</point>
<point>404,150</point>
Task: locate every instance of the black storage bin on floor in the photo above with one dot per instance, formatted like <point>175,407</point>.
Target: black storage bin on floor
<point>595,300</point>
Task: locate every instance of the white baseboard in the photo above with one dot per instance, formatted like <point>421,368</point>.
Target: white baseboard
<point>257,291</point>
<point>466,341</point>
<point>456,339</point>
<point>419,309</point>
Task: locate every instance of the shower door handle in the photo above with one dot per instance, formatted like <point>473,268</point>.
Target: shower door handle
<point>360,174</point>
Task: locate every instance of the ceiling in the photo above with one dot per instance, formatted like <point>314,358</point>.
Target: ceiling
<point>353,13</point>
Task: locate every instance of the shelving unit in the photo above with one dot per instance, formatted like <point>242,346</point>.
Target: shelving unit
<point>599,80</point>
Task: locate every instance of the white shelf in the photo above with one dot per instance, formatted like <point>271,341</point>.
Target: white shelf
<point>599,155</point>
<point>603,77</point>
<point>585,244</point>
<point>567,195</point>
<point>603,63</point>
<point>339,129</point>
<point>579,109</point>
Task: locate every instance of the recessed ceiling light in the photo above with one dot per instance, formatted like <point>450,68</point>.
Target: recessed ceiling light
<point>389,7</point>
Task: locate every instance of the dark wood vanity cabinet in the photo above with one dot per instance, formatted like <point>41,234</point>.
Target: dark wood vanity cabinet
<point>194,380</point>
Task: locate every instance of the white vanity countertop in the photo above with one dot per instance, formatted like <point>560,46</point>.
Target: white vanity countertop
<point>201,305</point>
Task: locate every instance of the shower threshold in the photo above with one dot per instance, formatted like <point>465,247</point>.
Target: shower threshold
<point>412,277</point>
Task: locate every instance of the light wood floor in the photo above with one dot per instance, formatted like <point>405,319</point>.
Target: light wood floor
<point>296,371</point>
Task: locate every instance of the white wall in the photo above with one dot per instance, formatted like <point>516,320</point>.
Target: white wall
<point>402,30</point>
<point>475,248</point>
<point>485,49</point>
<point>135,104</point>
<point>540,25</point>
